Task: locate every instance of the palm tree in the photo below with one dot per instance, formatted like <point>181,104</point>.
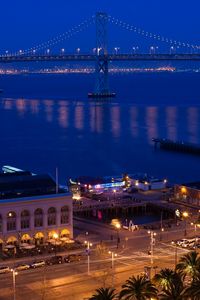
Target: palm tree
<point>189,265</point>
<point>164,277</point>
<point>104,294</point>
<point>193,291</point>
<point>174,289</point>
<point>138,288</point>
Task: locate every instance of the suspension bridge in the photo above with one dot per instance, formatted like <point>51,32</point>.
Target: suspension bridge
<point>101,57</point>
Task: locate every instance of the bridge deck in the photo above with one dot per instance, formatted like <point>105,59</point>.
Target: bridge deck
<point>92,57</point>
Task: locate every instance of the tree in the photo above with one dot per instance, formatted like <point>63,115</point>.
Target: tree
<point>138,288</point>
<point>174,289</point>
<point>164,278</point>
<point>104,294</point>
<point>193,291</point>
<point>189,265</point>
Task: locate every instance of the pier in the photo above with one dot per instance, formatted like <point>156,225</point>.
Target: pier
<point>178,146</point>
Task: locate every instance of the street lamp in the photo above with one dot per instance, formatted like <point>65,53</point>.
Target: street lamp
<point>14,273</point>
<point>185,215</point>
<point>88,244</point>
<point>62,50</point>
<point>48,51</point>
<point>78,50</point>
<point>55,236</point>
<point>152,243</point>
<point>175,254</point>
<point>116,50</point>
<point>114,192</point>
<point>113,255</point>
<point>98,50</point>
<point>118,227</point>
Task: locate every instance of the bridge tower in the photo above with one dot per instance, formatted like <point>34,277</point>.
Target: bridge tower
<point>101,50</point>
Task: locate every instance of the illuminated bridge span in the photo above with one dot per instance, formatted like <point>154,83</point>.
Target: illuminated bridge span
<point>101,56</point>
<point>93,58</point>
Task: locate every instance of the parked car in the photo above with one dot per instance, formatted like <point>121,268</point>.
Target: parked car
<point>22,267</point>
<point>38,264</point>
<point>72,258</point>
<point>4,270</point>
<point>180,242</point>
<point>54,260</point>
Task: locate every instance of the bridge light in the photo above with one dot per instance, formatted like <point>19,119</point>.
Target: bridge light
<point>116,49</point>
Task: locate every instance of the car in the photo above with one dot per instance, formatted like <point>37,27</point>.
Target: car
<point>4,270</point>
<point>38,264</point>
<point>22,267</point>
<point>72,258</point>
<point>183,241</point>
<point>54,260</point>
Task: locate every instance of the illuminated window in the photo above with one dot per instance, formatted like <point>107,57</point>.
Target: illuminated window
<point>11,221</point>
<point>64,215</point>
<point>38,217</point>
<point>25,219</point>
<point>51,216</point>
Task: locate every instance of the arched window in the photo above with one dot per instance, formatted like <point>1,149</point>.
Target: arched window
<point>64,215</point>
<point>51,216</point>
<point>25,219</point>
<point>11,221</point>
<point>1,223</point>
<point>38,217</point>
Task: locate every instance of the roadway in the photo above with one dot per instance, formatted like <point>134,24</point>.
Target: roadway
<point>92,57</point>
<point>71,281</point>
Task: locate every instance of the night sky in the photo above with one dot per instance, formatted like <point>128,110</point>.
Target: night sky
<point>27,23</point>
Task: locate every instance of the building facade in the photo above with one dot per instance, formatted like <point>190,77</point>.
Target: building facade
<point>35,219</point>
<point>188,193</point>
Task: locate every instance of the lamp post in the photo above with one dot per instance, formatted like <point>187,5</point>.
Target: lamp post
<point>88,244</point>
<point>116,50</point>
<point>14,273</point>
<point>195,232</point>
<point>114,192</point>
<point>78,50</point>
<point>185,216</point>
<point>118,226</point>
<point>55,236</point>
<point>113,255</point>
<point>152,243</point>
<point>175,254</point>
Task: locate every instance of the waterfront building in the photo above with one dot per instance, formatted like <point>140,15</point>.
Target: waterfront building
<point>145,182</point>
<point>188,193</point>
<point>33,209</point>
<point>97,184</point>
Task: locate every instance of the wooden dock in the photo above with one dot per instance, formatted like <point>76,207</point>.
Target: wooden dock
<point>178,146</point>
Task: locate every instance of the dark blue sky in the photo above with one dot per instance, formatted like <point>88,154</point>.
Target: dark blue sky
<point>26,23</point>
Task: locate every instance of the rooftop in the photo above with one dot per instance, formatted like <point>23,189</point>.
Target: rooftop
<point>24,184</point>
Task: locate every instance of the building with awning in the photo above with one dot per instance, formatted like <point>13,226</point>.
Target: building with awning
<point>33,209</point>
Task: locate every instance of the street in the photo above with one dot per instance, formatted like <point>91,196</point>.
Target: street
<point>71,281</point>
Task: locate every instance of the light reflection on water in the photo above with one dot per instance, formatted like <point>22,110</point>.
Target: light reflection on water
<point>80,115</point>
<point>112,134</point>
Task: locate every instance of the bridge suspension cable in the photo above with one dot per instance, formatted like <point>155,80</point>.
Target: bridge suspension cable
<point>150,35</point>
<point>61,37</point>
